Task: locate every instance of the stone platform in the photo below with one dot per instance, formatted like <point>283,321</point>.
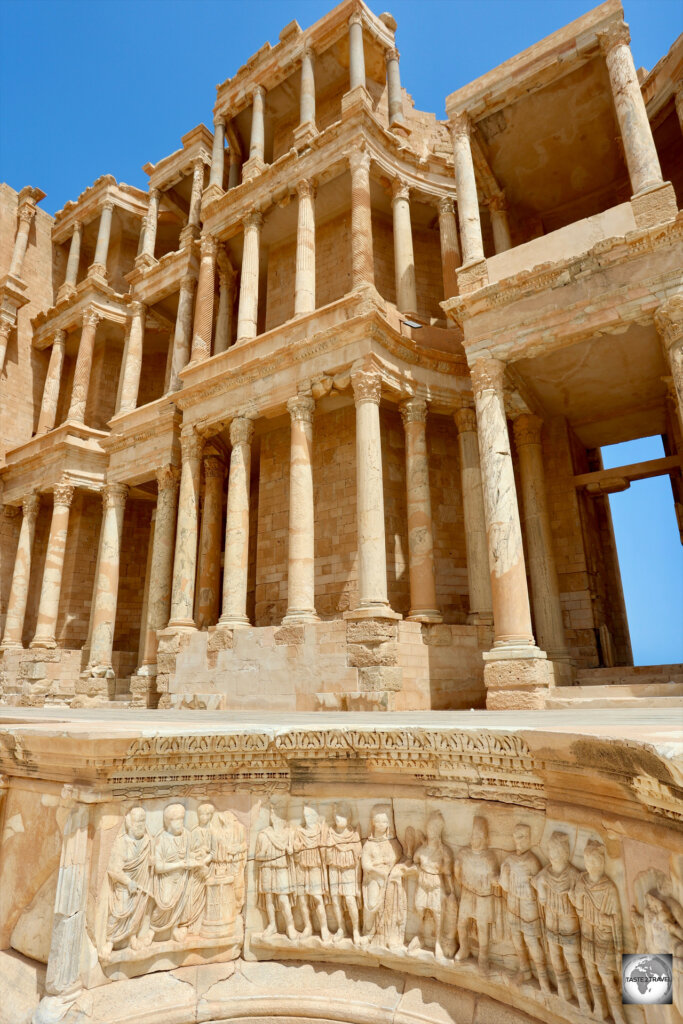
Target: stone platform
<point>138,847</point>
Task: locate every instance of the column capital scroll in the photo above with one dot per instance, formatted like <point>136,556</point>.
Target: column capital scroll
<point>359,159</point>
<point>616,34</point>
<point>669,320</point>
<point>460,125</point>
<point>465,419</point>
<point>168,477</point>
<point>30,506</point>
<point>259,91</point>
<point>91,317</point>
<point>219,121</point>
<point>498,202</point>
<point>527,429</point>
<point>413,410</point>
<point>400,189</point>
<point>356,18</point>
<point>27,212</point>
<point>108,205</point>
<point>114,495</point>
<point>63,493</point>
<point>391,54</point>
<point>253,219</point>
<point>208,245</point>
<point>301,407</point>
<point>241,431</point>
<point>305,189</point>
<point>487,374</point>
<point>59,337</point>
<point>445,204</point>
<point>367,386</point>
<point>191,444</point>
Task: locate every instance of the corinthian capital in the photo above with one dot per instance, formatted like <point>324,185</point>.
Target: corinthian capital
<point>498,202</point>
<point>399,189</point>
<point>391,54</point>
<point>413,410</point>
<point>487,374</point>
<point>253,219</point>
<point>168,478</point>
<point>669,320</point>
<point>445,204</point>
<point>91,317</point>
<point>213,467</point>
<point>616,34</point>
<point>63,493</point>
<point>114,496</point>
<point>30,506</point>
<point>27,212</point>
<point>241,431</point>
<point>301,407</point>
<point>305,189</point>
<point>191,444</point>
<point>367,386</point>
<point>465,419</point>
<point>208,246</point>
<point>527,429</point>
<point>460,125</point>
<point>359,160</point>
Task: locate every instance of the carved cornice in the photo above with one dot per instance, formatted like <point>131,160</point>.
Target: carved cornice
<point>241,431</point>
<point>114,496</point>
<point>302,408</point>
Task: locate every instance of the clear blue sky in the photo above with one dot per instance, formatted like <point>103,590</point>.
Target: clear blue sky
<point>89,87</point>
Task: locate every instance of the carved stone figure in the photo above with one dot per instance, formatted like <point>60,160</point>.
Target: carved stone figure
<point>225,890</point>
<point>523,920</point>
<point>433,860</point>
<point>311,871</point>
<point>130,881</point>
<point>343,855</point>
<point>276,878</point>
<point>385,904</point>
<point>200,851</point>
<point>596,899</point>
<point>476,870</point>
<point>657,928</point>
<point>554,885</point>
<point>173,863</point>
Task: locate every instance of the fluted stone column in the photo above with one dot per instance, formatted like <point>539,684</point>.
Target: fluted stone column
<point>183,329</point>
<point>258,135</point>
<point>247,314</point>
<point>208,575</point>
<point>423,607</point>
<point>107,581</point>
<point>304,282</point>
<point>307,104</point>
<point>73,262</point>
<point>18,595</point>
<point>81,381</point>
<point>669,323</point>
<point>132,364</point>
<point>478,575</point>
<point>218,152</point>
<point>356,51</point>
<point>404,259</point>
<point>545,588</point>
<point>26,213</point>
<point>203,309</point>
<point>5,329</point>
<point>185,561</point>
<point>362,259</point>
<point>372,557</point>
<point>511,610</point>
<point>639,147</point>
<point>499,222</point>
<point>301,557</point>
<point>468,203</point>
<point>151,222</point>
<point>196,194</point>
<point>235,169</point>
<point>161,570</point>
<point>395,97</point>
<point>450,247</point>
<point>99,265</point>
<point>226,289</point>
<point>51,589</point>
<point>53,380</point>
<point>236,563</point>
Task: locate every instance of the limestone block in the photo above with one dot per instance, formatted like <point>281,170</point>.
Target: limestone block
<point>363,655</point>
<point>363,631</point>
<point>380,677</point>
<point>655,206</point>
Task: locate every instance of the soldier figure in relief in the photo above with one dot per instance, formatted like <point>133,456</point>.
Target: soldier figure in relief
<point>476,869</point>
<point>524,923</point>
<point>553,886</point>
<point>596,899</point>
<point>311,871</point>
<point>343,857</point>
<point>130,881</point>
<point>276,877</point>
<point>433,860</point>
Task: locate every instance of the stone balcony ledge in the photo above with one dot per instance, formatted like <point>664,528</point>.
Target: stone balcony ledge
<point>71,449</point>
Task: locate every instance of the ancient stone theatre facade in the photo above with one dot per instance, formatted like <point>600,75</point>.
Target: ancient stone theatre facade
<point>310,426</point>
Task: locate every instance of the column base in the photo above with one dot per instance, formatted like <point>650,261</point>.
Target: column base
<point>355,99</point>
<point>47,643</point>
<point>98,271</point>
<point>480,619</point>
<point>182,624</point>
<point>426,615</point>
<point>517,676</point>
<point>375,611</point>
<point>654,205</point>
<point>296,618</point>
<point>233,621</point>
<point>95,686</point>
<point>11,645</point>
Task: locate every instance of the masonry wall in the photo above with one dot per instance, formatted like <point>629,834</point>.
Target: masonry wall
<point>104,382</point>
<point>136,526</point>
<point>21,381</point>
<point>450,553</point>
<point>153,375</point>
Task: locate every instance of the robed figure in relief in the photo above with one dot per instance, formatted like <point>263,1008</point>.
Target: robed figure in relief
<point>130,880</point>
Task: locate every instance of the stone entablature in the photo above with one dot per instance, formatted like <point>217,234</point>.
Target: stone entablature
<point>152,283</point>
<point>71,449</point>
<point>166,173</point>
<point>471,853</point>
<point>90,203</point>
<point>67,313</point>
